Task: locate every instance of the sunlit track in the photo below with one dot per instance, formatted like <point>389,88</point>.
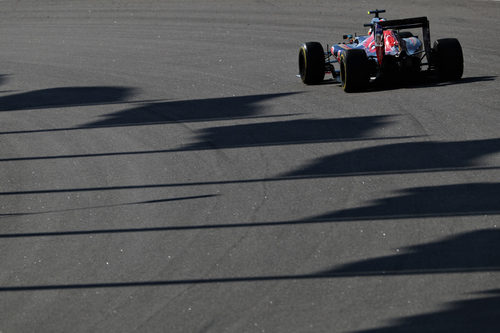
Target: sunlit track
<point>163,169</point>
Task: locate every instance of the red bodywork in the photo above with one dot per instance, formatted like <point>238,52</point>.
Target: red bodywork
<point>367,43</point>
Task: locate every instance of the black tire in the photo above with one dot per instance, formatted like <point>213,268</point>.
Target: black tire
<point>354,70</point>
<point>448,59</point>
<point>312,63</point>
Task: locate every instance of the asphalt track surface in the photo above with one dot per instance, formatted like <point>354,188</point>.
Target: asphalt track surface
<point>163,169</point>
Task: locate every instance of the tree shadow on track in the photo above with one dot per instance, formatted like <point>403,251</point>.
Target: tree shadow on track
<point>225,108</point>
<point>425,81</point>
<point>64,97</point>
<point>479,314</point>
<point>431,201</point>
<point>149,113</point>
<point>402,158</point>
<point>3,78</point>
<point>146,202</point>
<point>422,202</point>
<point>477,251</point>
<point>300,131</point>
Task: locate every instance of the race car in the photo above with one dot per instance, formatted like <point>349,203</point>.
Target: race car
<point>388,52</point>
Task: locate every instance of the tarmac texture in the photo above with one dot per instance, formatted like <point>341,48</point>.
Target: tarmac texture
<point>162,169</point>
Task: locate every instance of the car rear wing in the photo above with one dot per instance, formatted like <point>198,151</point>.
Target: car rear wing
<point>411,23</point>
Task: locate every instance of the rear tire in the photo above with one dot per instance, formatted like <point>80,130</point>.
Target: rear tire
<point>448,59</point>
<point>312,63</point>
<point>354,70</point>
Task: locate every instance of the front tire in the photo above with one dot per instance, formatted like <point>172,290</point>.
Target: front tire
<point>311,63</point>
<point>354,70</point>
<point>448,59</point>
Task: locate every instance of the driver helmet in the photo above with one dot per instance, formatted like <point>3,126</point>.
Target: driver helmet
<point>374,20</point>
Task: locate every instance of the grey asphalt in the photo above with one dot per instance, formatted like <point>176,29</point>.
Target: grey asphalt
<point>162,169</point>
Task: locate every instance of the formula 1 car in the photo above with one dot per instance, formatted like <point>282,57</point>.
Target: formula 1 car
<point>389,51</point>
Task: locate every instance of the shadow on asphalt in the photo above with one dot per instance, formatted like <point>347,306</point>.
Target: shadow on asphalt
<point>478,314</point>
<point>64,97</point>
<point>477,251</point>
<point>422,202</point>
<point>300,131</point>
<point>146,202</point>
<point>3,78</point>
<point>224,108</point>
<point>402,158</point>
<point>424,81</point>
<point>148,113</point>
<point>419,81</point>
